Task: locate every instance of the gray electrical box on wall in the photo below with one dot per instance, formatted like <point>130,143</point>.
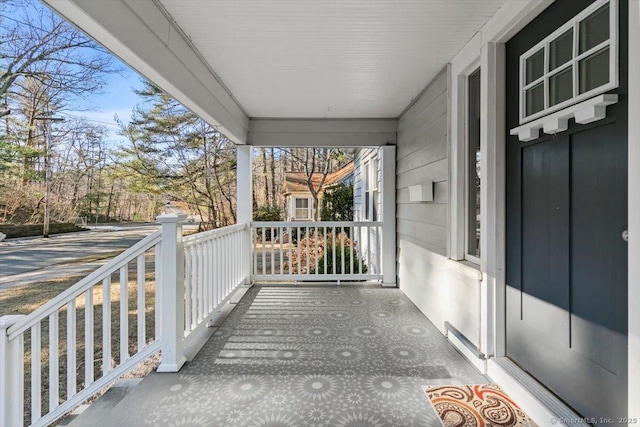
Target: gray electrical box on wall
<point>421,193</point>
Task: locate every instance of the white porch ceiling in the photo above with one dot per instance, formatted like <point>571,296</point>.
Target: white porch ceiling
<point>328,58</point>
<point>235,61</point>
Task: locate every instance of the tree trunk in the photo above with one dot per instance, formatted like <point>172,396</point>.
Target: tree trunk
<point>273,178</point>
<point>265,177</point>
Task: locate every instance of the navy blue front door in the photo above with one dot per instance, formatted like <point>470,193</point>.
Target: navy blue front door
<point>566,259</point>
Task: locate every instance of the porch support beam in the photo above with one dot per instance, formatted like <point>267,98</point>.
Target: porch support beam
<point>634,212</point>
<point>388,154</point>
<point>141,35</point>
<point>244,177</point>
<point>322,132</point>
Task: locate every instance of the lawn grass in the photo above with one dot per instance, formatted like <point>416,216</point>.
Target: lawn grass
<point>25,299</point>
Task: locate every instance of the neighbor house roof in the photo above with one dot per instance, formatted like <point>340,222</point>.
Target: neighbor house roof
<point>297,181</point>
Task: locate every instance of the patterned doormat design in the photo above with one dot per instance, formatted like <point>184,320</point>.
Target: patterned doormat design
<point>476,406</point>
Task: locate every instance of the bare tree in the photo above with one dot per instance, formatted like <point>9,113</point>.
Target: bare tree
<point>37,44</point>
<point>316,163</point>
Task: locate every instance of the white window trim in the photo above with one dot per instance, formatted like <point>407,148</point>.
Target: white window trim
<point>295,208</point>
<point>458,179</point>
<point>467,256</point>
<point>371,184</point>
<point>612,42</point>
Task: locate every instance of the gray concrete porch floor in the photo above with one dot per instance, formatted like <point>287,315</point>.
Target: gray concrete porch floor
<point>306,356</point>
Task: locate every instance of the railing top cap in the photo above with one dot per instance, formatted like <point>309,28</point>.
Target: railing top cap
<point>7,321</point>
<point>171,217</point>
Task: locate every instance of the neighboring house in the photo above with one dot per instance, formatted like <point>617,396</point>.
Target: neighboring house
<point>298,198</point>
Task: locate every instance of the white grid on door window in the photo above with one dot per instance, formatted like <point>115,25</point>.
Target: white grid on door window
<point>574,63</point>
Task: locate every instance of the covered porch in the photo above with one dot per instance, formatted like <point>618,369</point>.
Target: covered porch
<point>312,355</point>
<point>396,75</point>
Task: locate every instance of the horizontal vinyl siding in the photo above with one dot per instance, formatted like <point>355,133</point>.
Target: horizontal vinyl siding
<point>421,157</point>
<point>442,293</point>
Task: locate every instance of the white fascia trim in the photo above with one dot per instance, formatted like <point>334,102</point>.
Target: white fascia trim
<point>139,33</point>
<point>585,112</point>
<point>276,132</point>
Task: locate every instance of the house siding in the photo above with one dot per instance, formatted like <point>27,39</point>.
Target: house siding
<point>370,243</point>
<point>440,288</point>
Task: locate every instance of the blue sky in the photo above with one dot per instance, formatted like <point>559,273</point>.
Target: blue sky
<point>117,98</point>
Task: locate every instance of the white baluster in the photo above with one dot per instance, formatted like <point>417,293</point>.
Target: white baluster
<point>106,325</point>
<point>36,372</point>
<point>141,267</point>
<point>124,314</point>
<point>88,337</point>
<point>54,361</point>
<point>71,348</point>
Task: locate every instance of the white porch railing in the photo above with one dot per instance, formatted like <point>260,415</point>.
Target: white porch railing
<point>214,268</point>
<point>168,288</point>
<point>79,332</point>
<point>316,251</point>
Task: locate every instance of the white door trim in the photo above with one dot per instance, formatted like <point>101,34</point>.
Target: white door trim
<point>634,213</point>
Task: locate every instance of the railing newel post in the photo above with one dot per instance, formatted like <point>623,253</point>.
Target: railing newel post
<point>11,374</point>
<point>172,291</point>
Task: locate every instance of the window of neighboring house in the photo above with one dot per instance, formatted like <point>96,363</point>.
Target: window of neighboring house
<point>473,157</point>
<point>302,208</point>
<point>574,63</point>
<point>371,196</point>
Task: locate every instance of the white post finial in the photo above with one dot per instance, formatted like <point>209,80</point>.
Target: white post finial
<point>11,374</point>
<point>172,291</point>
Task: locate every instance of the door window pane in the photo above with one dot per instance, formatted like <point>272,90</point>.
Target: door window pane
<point>561,50</point>
<point>575,60</point>
<point>594,29</point>
<point>594,70</point>
<point>535,99</point>
<point>535,66</point>
<point>561,86</point>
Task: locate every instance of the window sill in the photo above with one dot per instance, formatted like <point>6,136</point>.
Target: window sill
<point>466,268</point>
<point>588,111</point>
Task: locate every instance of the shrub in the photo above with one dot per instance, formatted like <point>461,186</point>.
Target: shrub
<point>337,204</point>
<point>266,213</point>
<point>349,253</point>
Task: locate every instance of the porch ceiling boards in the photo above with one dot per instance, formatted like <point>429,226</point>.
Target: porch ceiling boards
<point>310,356</point>
<point>233,61</point>
<point>331,58</point>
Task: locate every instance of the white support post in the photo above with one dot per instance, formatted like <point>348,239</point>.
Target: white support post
<point>11,374</point>
<point>244,176</point>
<point>633,410</point>
<point>172,289</point>
<point>388,154</point>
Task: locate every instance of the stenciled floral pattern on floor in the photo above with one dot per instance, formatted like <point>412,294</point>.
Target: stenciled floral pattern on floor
<point>307,356</point>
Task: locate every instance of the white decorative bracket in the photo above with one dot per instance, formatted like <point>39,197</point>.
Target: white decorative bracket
<point>585,112</point>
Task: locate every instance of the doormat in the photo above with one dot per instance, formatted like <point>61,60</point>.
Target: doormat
<point>483,405</point>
